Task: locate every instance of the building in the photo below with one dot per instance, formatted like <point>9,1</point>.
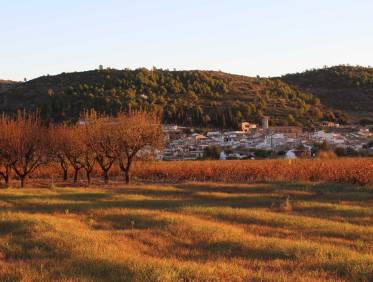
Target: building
<point>247,127</point>
<point>329,137</point>
<point>288,131</point>
<point>265,122</point>
<point>329,124</point>
<point>213,134</point>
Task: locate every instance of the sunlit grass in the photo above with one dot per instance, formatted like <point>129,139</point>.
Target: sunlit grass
<point>187,232</point>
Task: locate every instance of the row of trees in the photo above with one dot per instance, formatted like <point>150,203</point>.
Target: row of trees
<point>26,143</point>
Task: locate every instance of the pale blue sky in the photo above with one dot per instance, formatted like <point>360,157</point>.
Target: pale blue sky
<point>265,37</point>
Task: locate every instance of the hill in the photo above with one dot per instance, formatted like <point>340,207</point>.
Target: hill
<point>7,84</point>
<point>186,97</point>
<point>200,98</point>
<point>347,88</point>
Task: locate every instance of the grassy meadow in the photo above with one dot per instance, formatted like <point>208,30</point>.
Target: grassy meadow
<point>188,232</point>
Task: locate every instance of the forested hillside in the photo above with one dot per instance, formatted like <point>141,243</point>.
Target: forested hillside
<point>348,88</point>
<point>200,98</point>
<point>7,84</point>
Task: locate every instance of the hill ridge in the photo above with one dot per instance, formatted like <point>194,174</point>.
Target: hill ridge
<point>343,87</point>
<point>192,97</point>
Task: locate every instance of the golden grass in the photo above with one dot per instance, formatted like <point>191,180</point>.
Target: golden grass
<point>188,232</point>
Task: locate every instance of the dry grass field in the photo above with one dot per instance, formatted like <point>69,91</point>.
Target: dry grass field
<point>188,232</point>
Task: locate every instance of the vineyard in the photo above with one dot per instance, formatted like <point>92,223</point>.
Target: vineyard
<point>340,170</point>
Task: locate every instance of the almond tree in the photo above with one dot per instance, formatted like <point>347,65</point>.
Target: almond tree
<point>73,148</point>
<point>5,162</point>
<point>69,146</point>
<point>137,134</point>
<point>88,159</point>
<point>5,171</point>
<point>57,147</point>
<point>26,144</point>
<point>100,136</point>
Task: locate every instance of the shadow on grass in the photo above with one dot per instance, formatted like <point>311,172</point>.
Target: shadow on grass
<point>98,270</point>
<point>157,204</point>
<point>88,196</point>
<point>128,221</point>
<point>24,244</point>
<point>229,189</point>
<point>231,249</point>
<point>289,224</point>
<point>332,212</point>
<point>15,227</point>
<point>249,196</point>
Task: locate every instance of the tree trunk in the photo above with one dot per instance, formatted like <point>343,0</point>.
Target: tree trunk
<point>6,176</point>
<point>106,176</point>
<point>65,174</point>
<point>6,179</point>
<point>76,175</point>
<point>64,167</point>
<point>127,176</point>
<point>88,174</point>
<point>125,167</point>
<point>22,181</point>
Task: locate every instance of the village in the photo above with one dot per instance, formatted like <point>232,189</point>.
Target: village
<point>264,141</point>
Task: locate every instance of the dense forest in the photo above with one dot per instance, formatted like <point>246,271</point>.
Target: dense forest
<point>7,84</point>
<point>347,88</point>
<point>199,98</point>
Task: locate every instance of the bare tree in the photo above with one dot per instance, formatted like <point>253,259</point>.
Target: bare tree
<point>57,148</point>
<point>137,134</point>
<point>5,162</point>
<point>73,148</point>
<point>5,172</point>
<point>100,136</point>
<point>88,159</point>
<point>26,144</point>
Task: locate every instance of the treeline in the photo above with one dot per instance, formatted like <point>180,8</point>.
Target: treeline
<point>347,88</point>
<point>27,143</point>
<point>197,98</point>
<point>7,84</point>
<point>337,77</point>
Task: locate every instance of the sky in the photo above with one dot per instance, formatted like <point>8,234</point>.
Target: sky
<point>266,38</point>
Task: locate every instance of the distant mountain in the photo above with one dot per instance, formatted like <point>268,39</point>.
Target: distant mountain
<point>347,88</point>
<point>199,98</point>
<point>7,84</point>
